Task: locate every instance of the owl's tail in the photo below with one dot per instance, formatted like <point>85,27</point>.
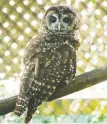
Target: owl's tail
<point>21,104</point>
<point>32,107</point>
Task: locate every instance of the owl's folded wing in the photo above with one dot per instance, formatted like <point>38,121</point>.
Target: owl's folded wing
<point>30,61</point>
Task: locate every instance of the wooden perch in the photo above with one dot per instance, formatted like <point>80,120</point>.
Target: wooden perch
<point>82,81</point>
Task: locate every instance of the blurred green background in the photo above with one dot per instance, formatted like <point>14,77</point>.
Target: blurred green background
<point>20,22</point>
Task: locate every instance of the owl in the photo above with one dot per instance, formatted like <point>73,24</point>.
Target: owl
<point>49,59</point>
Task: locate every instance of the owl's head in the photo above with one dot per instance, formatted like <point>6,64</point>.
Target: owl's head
<point>61,19</point>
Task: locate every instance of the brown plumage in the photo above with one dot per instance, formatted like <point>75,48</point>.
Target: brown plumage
<point>49,59</point>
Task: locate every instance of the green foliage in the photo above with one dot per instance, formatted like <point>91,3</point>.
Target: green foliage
<point>94,1</point>
<point>59,119</point>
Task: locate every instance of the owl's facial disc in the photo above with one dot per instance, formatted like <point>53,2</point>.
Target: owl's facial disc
<point>59,22</point>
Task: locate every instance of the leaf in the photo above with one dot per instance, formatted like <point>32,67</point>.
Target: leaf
<point>1,85</point>
<point>94,1</point>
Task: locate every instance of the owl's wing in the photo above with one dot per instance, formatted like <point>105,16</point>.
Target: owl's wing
<point>30,61</point>
<point>72,63</point>
<point>75,42</point>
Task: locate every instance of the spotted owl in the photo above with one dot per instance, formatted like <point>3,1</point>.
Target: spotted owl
<point>49,59</point>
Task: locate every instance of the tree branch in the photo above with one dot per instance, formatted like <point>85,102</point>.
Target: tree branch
<point>82,81</point>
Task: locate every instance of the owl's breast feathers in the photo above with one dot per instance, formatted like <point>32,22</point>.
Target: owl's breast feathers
<point>57,55</point>
<point>51,40</point>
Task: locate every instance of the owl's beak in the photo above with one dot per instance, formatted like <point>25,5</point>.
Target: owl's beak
<point>59,26</point>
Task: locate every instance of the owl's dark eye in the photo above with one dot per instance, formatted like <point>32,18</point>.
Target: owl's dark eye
<point>66,19</point>
<point>53,19</point>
